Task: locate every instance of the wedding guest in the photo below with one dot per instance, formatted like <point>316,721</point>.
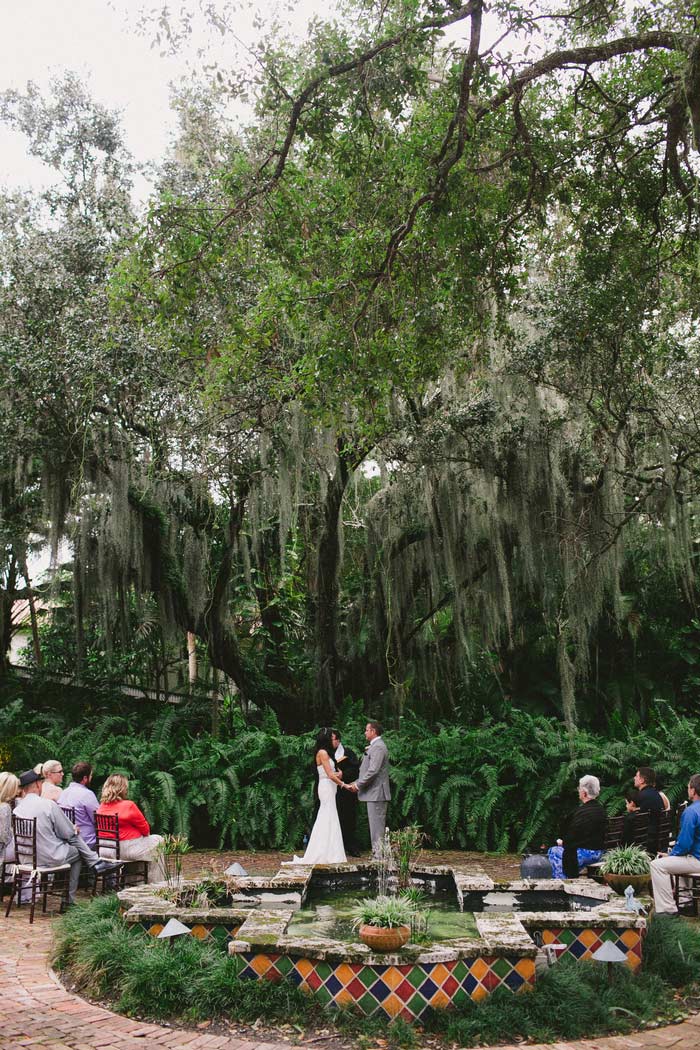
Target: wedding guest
<point>664,797</point>
<point>9,790</point>
<point>52,772</point>
<point>56,838</point>
<point>583,838</point>
<point>79,797</point>
<point>650,802</point>
<point>684,858</point>
<point>135,839</point>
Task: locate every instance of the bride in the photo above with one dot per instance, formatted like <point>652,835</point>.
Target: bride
<point>325,845</point>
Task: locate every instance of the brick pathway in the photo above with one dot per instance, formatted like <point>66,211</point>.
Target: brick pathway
<point>37,1013</point>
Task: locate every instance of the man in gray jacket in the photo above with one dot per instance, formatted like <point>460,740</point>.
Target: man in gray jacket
<point>372,785</point>
<point>56,839</point>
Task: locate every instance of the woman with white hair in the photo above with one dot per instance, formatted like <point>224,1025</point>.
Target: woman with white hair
<point>582,841</point>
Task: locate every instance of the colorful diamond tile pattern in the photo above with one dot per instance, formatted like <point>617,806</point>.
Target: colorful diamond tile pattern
<point>583,942</point>
<point>408,991</point>
<point>215,932</point>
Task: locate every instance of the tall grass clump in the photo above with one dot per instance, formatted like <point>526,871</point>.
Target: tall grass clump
<point>672,950</point>
<point>571,1000</point>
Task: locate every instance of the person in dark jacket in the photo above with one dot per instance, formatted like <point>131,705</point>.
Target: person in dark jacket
<point>347,763</point>
<point>584,836</point>
<point>650,801</point>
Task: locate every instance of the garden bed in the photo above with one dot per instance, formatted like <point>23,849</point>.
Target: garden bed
<point>256,924</point>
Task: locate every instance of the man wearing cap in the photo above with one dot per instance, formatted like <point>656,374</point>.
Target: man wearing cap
<point>56,838</point>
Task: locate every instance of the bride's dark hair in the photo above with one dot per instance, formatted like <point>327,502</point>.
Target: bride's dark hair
<point>324,741</point>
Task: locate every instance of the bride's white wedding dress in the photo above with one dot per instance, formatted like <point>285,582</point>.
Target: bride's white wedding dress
<point>325,845</point>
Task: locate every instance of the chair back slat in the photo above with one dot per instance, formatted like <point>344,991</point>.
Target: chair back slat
<point>640,829</point>
<point>69,812</point>
<point>24,831</point>
<point>663,833</point>
<point>613,832</point>
<point>107,835</point>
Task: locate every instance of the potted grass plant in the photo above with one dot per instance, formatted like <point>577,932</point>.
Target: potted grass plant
<point>626,866</point>
<point>384,923</point>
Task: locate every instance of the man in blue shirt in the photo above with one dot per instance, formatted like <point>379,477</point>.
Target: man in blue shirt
<point>684,858</point>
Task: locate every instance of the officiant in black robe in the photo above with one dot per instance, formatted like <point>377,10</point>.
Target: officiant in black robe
<point>347,763</point>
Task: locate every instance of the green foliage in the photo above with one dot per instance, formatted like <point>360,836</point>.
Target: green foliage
<point>142,975</point>
<point>494,786</point>
<point>571,1000</point>
<point>625,860</point>
<point>388,912</point>
<point>672,950</point>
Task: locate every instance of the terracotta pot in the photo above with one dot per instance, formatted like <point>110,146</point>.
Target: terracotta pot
<point>384,938</point>
<point>639,883</point>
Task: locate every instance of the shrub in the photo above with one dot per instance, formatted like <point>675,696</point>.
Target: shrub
<point>625,860</point>
<point>386,912</point>
<point>672,950</point>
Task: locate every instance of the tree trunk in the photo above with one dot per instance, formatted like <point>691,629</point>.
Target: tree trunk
<point>191,661</point>
<point>32,613</point>
<point>327,589</point>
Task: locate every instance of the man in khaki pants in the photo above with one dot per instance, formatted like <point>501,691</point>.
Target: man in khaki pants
<point>684,858</point>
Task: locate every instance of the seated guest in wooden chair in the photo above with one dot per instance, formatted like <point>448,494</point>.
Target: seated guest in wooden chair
<point>684,858</point>
<point>52,772</point>
<point>79,797</point>
<point>56,838</point>
<point>135,839</point>
<point>583,838</point>
<point>9,788</point>
<point>650,801</point>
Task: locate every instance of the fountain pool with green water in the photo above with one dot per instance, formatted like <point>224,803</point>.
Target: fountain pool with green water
<point>330,914</point>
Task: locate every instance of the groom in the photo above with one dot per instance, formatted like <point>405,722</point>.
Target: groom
<point>372,785</point>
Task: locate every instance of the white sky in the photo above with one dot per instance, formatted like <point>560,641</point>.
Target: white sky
<point>98,40</point>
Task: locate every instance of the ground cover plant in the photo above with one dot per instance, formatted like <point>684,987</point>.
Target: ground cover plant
<point>191,980</point>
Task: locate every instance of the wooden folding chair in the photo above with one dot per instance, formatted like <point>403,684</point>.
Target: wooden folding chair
<point>44,881</point>
<point>108,847</point>
<point>613,832</point>
<point>69,812</point>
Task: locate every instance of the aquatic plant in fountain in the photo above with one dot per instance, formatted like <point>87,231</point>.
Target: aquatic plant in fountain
<point>405,845</point>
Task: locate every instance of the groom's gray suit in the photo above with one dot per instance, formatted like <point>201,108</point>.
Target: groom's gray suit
<point>373,789</point>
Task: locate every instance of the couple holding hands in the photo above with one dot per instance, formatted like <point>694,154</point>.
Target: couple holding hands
<point>325,845</point>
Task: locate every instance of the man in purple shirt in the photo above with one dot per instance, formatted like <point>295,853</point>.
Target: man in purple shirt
<point>684,858</point>
<point>82,799</point>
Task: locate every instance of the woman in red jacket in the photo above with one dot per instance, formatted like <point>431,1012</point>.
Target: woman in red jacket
<point>135,839</point>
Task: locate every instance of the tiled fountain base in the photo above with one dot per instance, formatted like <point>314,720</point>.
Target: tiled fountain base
<point>583,941</point>
<point>416,979</point>
<point>404,990</point>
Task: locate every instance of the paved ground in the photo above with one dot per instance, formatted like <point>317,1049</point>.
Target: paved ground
<point>36,1012</point>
